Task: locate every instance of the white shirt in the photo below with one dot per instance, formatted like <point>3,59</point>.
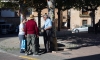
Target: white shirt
<point>21,32</point>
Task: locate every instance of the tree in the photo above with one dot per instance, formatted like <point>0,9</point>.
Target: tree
<point>14,5</point>
<point>24,5</point>
<point>0,3</point>
<point>39,6</point>
<point>0,8</point>
<point>51,13</point>
<point>63,5</point>
<point>59,6</point>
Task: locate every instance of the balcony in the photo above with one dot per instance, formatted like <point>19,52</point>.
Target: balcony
<point>84,14</point>
<point>81,15</point>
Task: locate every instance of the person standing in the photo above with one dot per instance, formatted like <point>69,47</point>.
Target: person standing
<point>31,31</point>
<point>47,33</point>
<point>21,33</point>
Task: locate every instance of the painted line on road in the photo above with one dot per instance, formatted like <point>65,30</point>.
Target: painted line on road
<point>29,58</point>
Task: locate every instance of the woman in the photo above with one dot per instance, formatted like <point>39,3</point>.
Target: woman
<point>21,33</point>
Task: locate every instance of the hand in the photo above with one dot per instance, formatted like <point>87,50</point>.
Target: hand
<point>37,36</point>
<point>25,35</point>
<point>44,29</point>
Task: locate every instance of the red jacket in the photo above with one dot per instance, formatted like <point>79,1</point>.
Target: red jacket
<point>31,27</point>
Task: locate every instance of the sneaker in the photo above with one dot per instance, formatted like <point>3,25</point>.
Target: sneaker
<point>22,52</point>
<point>35,55</point>
<point>30,52</point>
<point>26,54</point>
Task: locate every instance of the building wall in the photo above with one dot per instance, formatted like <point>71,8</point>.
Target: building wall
<point>97,15</point>
<point>76,20</point>
<point>42,13</point>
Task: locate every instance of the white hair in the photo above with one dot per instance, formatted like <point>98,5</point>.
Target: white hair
<point>45,16</point>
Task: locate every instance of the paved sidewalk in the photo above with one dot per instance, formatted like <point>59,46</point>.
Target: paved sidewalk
<point>76,46</point>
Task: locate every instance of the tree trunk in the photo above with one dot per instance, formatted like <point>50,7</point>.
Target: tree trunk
<point>92,14</point>
<point>0,12</point>
<point>59,25</point>
<point>39,18</point>
<point>22,12</point>
<point>93,18</point>
<point>51,13</point>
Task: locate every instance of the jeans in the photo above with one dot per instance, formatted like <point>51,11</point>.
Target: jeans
<point>21,37</point>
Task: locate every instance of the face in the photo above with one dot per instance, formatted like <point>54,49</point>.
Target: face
<point>44,17</point>
<point>24,21</point>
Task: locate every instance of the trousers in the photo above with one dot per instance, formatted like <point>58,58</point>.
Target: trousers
<point>31,41</point>
<point>48,43</point>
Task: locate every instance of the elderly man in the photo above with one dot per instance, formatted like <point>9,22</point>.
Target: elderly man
<point>31,30</point>
<point>47,33</point>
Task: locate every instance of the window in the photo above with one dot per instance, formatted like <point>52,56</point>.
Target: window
<point>84,22</point>
<point>84,12</point>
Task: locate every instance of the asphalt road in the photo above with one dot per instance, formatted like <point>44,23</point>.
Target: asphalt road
<point>6,36</point>
<point>5,56</point>
<point>89,51</point>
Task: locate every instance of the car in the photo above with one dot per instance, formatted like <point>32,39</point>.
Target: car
<point>83,28</point>
<point>6,28</point>
<point>17,29</point>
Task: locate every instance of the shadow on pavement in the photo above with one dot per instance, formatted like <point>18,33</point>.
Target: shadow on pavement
<point>92,57</point>
<point>80,39</point>
<point>42,50</point>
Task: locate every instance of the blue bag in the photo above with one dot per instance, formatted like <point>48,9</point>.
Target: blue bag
<point>23,44</point>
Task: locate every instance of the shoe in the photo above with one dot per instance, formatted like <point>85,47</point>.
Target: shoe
<point>30,52</point>
<point>22,52</point>
<point>35,55</point>
<point>26,54</point>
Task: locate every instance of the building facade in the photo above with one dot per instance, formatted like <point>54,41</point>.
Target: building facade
<point>81,17</point>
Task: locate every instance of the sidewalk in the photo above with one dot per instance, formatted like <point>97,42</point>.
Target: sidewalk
<point>76,46</point>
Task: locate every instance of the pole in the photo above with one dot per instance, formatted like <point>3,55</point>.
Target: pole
<point>51,13</point>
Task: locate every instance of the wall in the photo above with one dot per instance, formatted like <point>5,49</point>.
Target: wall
<point>97,17</point>
<point>76,20</point>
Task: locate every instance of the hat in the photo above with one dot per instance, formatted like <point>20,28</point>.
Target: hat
<point>31,17</point>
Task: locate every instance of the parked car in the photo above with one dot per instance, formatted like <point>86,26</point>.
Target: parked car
<point>17,29</point>
<point>83,28</point>
<point>6,28</point>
